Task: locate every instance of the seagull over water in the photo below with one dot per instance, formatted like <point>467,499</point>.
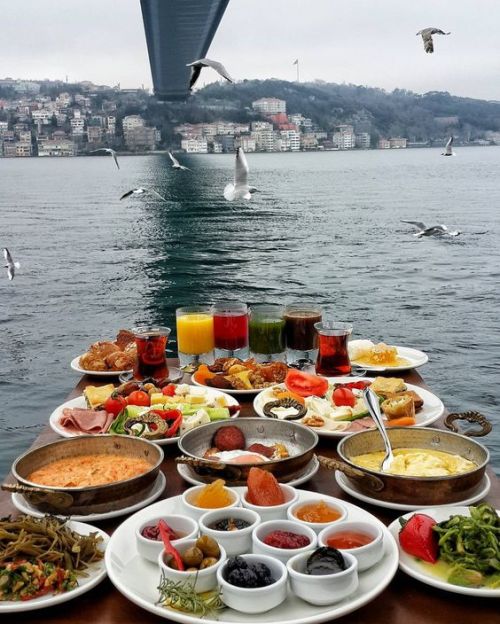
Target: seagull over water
<point>176,164</point>
<point>107,150</point>
<point>11,266</point>
<point>427,37</point>
<point>448,151</point>
<point>433,230</point>
<point>239,189</point>
<point>140,191</point>
<point>196,67</point>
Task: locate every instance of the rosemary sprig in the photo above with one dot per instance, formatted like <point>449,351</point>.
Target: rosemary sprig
<point>183,597</point>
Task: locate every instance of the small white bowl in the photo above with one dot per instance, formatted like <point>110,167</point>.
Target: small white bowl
<point>367,555</point>
<point>204,580</point>
<point>234,542</point>
<point>196,512</point>
<point>274,512</point>
<point>257,599</point>
<point>149,548</point>
<point>259,547</point>
<point>317,526</point>
<point>323,589</point>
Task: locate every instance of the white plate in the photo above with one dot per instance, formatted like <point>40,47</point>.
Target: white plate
<point>480,492</point>
<point>95,574</point>
<point>23,506</point>
<point>80,402</point>
<point>137,579</point>
<point>309,471</point>
<point>431,410</point>
<point>410,565</point>
<point>75,365</point>
<point>415,359</point>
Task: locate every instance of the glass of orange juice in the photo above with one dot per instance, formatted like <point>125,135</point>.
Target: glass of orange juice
<point>195,335</point>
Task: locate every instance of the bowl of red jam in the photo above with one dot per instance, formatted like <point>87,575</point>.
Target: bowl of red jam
<point>363,540</point>
<point>148,538</point>
<point>282,539</point>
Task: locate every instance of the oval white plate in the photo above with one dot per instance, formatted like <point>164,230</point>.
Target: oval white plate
<point>23,506</point>
<point>432,409</point>
<point>415,359</point>
<point>481,491</point>
<point>95,574</point>
<point>80,402</point>
<point>75,365</point>
<point>137,579</point>
<point>309,471</point>
<point>410,565</point>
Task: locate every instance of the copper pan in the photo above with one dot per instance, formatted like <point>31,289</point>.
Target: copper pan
<point>86,500</point>
<point>411,490</point>
<point>299,441</point>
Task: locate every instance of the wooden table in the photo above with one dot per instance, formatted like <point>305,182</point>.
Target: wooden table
<point>404,601</point>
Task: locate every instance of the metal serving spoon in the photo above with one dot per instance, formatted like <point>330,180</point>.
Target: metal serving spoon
<point>371,400</point>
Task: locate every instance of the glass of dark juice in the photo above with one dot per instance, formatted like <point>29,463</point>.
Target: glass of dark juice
<point>151,353</point>
<point>300,334</point>
<point>333,357</point>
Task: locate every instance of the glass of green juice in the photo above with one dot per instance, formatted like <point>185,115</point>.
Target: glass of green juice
<point>267,333</point>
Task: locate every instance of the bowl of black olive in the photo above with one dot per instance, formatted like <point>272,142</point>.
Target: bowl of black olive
<point>252,583</point>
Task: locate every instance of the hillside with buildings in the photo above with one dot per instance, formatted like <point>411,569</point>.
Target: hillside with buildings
<point>54,118</point>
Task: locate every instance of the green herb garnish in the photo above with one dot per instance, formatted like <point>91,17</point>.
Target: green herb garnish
<point>183,597</point>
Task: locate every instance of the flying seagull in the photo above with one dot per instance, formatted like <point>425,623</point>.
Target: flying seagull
<point>448,151</point>
<point>11,266</point>
<point>427,37</point>
<point>176,164</point>
<point>434,230</point>
<point>141,191</point>
<point>196,67</point>
<point>107,150</point>
<point>240,188</point>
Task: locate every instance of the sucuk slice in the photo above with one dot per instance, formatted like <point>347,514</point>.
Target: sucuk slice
<point>263,488</point>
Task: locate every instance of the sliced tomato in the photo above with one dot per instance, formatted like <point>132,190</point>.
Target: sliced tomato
<point>305,384</point>
<point>168,390</point>
<point>115,404</point>
<point>138,397</point>
<point>344,396</point>
<point>357,385</point>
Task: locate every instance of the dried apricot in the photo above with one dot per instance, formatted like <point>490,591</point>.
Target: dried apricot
<point>213,496</point>
<point>263,488</point>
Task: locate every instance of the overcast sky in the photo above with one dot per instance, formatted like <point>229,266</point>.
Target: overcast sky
<point>368,42</point>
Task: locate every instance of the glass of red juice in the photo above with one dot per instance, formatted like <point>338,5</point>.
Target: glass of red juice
<point>333,357</point>
<point>151,357</point>
<point>231,330</point>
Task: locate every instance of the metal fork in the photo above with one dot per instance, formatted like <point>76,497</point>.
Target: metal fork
<point>372,403</point>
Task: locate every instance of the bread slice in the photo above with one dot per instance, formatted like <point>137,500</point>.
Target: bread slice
<point>387,385</point>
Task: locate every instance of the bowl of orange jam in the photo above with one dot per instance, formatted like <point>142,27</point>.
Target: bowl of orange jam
<point>317,513</point>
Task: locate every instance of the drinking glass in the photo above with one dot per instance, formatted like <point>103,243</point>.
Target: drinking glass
<point>231,330</point>
<point>333,357</point>
<point>151,360</point>
<point>267,333</point>
<point>300,334</point>
<point>195,335</point>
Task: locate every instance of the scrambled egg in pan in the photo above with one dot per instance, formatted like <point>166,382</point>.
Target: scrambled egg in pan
<point>417,463</point>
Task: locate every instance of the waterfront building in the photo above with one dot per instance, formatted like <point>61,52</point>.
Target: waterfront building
<point>269,106</point>
<point>264,140</point>
<point>363,140</point>
<point>195,145</point>
<point>216,147</point>
<point>56,147</point>
<point>344,137</point>
<point>290,140</point>
<point>94,134</point>
<point>398,142</point>
<point>140,138</point>
<point>384,144</point>
<point>227,141</point>
<point>247,143</point>
<point>23,149</point>
<point>308,141</point>
<point>9,148</point>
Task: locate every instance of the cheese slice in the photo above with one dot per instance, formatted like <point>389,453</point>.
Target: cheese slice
<point>95,396</point>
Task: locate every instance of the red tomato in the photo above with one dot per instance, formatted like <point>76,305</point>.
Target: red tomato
<point>358,385</point>
<point>418,538</point>
<point>168,390</point>
<point>115,404</point>
<point>344,396</point>
<point>138,397</point>
<point>304,384</point>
